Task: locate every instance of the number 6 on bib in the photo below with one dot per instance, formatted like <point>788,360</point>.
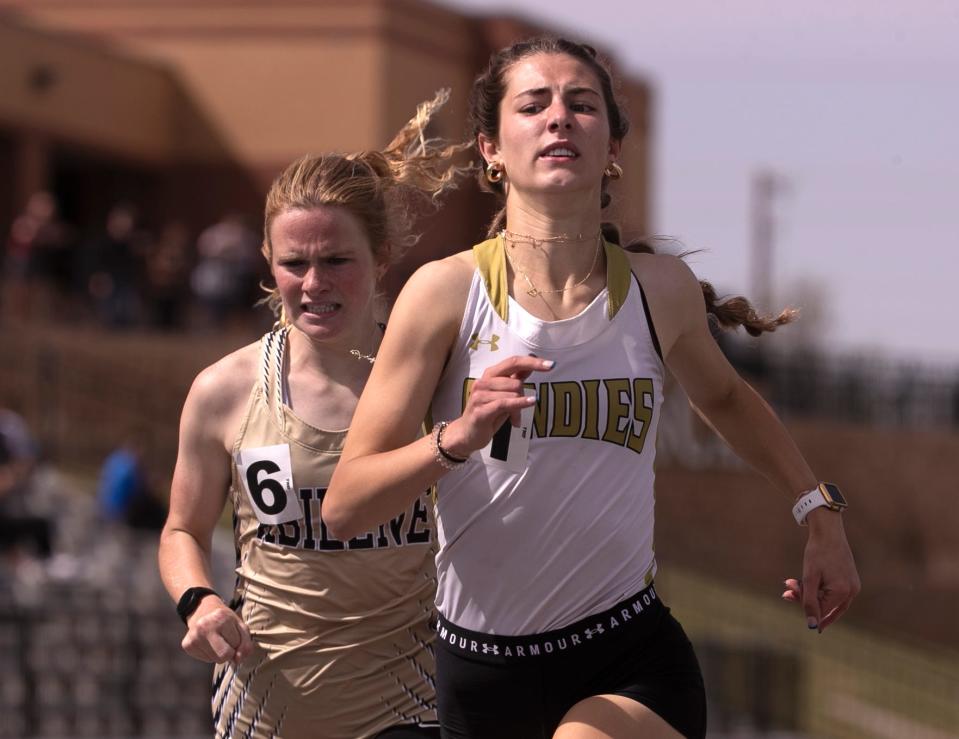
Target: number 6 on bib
<point>267,476</point>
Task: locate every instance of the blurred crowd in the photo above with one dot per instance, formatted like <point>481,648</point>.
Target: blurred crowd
<point>126,274</point>
<point>50,525</point>
<point>88,637</point>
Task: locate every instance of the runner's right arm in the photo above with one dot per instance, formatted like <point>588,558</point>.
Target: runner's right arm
<point>384,465</point>
<point>200,482</point>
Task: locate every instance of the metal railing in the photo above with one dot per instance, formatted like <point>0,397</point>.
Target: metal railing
<point>769,673</point>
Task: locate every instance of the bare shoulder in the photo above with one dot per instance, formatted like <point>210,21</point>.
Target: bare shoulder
<point>674,294</point>
<point>220,391</point>
<point>439,287</point>
<point>663,275</point>
<point>451,274</point>
<point>208,428</point>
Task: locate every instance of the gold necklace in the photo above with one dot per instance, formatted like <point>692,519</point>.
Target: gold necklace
<point>368,357</point>
<point>535,292</point>
<point>536,240</point>
<point>359,355</point>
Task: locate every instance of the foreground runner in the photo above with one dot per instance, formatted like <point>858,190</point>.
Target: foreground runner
<point>541,355</point>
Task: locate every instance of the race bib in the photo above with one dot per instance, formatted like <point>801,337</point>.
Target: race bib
<point>267,476</point>
<point>509,447</point>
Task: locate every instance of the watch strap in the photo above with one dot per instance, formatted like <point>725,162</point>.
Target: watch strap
<point>190,601</point>
<point>808,501</point>
<point>816,498</point>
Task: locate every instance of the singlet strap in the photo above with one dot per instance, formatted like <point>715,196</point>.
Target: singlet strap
<point>490,259</point>
<point>273,356</point>
<point>618,274</point>
<point>649,320</point>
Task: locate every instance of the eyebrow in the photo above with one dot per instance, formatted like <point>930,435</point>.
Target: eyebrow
<point>568,91</point>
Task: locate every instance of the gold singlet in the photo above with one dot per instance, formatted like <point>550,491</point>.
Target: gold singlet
<point>343,642</point>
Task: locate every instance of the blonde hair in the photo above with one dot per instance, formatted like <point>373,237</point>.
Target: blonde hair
<point>384,190</point>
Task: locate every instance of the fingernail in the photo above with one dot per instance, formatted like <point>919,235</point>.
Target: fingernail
<point>548,364</point>
<point>811,623</point>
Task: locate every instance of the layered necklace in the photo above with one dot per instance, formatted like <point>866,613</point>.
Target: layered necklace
<point>534,292</point>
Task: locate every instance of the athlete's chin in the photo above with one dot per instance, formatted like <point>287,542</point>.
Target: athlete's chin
<point>320,328</point>
<point>566,182</point>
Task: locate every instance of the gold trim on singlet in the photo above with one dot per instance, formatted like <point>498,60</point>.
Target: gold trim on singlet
<point>490,259</point>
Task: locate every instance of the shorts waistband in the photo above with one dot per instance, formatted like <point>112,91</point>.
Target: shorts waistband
<point>636,611</point>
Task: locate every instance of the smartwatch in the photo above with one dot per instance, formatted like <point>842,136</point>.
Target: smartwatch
<point>190,601</point>
<point>825,494</point>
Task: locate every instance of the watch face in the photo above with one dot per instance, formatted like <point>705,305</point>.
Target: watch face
<point>832,494</point>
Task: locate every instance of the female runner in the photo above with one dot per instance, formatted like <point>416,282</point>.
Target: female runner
<point>324,637</point>
<point>540,354</point>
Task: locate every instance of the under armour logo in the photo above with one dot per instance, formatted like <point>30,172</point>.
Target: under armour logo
<point>475,342</point>
<point>491,649</point>
<point>598,630</point>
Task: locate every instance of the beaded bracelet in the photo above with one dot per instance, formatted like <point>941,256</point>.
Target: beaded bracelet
<point>445,460</point>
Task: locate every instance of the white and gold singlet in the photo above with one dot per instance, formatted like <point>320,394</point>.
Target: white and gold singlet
<point>342,634</point>
<point>533,540</point>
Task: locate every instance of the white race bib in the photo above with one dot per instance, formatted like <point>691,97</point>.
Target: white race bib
<point>509,447</point>
<point>267,476</point>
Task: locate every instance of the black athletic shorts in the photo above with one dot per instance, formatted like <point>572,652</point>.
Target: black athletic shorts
<point>496,687</point>
<point>411,731</point>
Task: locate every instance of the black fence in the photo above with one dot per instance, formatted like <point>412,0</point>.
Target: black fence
<point>852,388</point>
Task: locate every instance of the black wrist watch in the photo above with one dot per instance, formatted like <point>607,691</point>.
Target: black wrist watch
<point>190,601</point>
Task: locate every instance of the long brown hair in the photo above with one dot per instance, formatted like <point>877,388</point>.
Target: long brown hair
<point>384,190</point>
<point>485,98</point>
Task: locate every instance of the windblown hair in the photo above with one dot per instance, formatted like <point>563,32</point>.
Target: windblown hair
<point>726,312</point>
<point>384,190</point>
<point>484,117</point>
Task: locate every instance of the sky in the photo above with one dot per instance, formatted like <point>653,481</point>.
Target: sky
<point>853,104</point>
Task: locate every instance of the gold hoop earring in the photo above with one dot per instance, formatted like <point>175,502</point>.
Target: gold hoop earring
<point>494,172</point>
<point>613,171</point>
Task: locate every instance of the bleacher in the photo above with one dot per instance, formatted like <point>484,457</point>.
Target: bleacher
<point>96,652</point>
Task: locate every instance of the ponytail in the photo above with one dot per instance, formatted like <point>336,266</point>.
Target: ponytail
<point>728,313</point>
<point>413,161</point>
<point>738,311</point>
<point>384,190</point>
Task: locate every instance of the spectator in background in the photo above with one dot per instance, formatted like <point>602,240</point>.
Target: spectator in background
<point>16,434</point>
<point>116,277</point>
<point>167,277</point>
<point>124,494</point>
<point>225,275</point>
<point>38,265</point>
<point>20,528</point>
